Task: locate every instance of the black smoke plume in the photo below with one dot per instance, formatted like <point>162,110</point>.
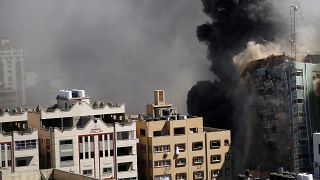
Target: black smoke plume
<point>222,102</point>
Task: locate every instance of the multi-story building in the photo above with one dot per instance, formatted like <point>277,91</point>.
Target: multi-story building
<point>12,85</point>
<point>316,155</point>
<point>287,100</point>
<point>92,139</point>
<point>177,146</point>
<point>18,142</point>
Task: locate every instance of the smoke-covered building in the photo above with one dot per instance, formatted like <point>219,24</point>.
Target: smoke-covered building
<point>285,97</point>
<point>12,88</point>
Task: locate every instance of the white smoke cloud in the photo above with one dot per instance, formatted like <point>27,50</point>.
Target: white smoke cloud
<point>255,51</point>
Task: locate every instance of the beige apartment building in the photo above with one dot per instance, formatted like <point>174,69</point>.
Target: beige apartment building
<point>176,146</point>
<point>91,139</point>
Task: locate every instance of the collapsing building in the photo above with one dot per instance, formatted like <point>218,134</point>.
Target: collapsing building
<point>285,103</point>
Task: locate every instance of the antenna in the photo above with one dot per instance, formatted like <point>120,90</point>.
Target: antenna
<point>293,52</point>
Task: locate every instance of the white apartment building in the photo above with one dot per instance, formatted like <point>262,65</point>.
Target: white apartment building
<point>92,139</point>
<point>18,142</point>
<point>12,85</point>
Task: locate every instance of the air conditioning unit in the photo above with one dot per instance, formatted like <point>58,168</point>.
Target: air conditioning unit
<point>166,153</point>
<point>177,151</point>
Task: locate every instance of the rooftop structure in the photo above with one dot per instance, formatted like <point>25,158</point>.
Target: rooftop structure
<point>177,146</point>
<point>92,139</point>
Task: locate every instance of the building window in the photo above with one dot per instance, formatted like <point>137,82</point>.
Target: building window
<point>298,73</point>
<point>162,163</point>
<point>21,162</point>
<point>198,175</point>
<point>107,170</point>
<point>124,167</point>
<point>181,147</point>
<point>181,176</point>
<point>157,133</point>
<point>197,146</point>
<point>126,135</point>
<point>228,171</point>
<point>216,173</point>
<point>124,151</point>
<point>65,142</point>
<point>25,145</point>
<point>87,172</point>
<point>181,162</point>
<point>66,158</point>
<point>197,160</point>
<point>179,131</point>
<point>215,144</point>
<point>143,148</point>
<point>298,101</point>
<point>142,132</point>
<point>161,133</point>
<point>226,142</point>
<point>215,159</point>
<point>160,149</point>
<point>162,177</point>
<point>227,156</point>
<point>193,130</point>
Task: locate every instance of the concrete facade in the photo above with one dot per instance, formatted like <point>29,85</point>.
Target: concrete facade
<point>177,146</point>
<point>88,139</point>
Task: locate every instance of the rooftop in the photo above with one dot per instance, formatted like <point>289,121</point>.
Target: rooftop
<point>278,59</point>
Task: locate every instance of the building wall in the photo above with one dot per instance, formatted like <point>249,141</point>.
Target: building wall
<point>224,166</point>
<point>127,143</point>
<point>10,150</point>
<point>172,136</point>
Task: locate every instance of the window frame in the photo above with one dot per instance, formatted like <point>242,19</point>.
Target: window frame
<point>214,160</point>
<point>195,174</point>
<point>215,146</point>
<point>197,163</point>
<point>181,165</point>
<point>197,149</point>
<point>218,174</point>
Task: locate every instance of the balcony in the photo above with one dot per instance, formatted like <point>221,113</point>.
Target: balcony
<point>66,163</point>
<point>66,147</point>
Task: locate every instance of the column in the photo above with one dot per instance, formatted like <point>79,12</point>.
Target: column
<point>5,156</point>
<point>83,147</point>
<point>0,156</point>
<point>108,142</point>
<point>103,146</point>
<point>89,146</point>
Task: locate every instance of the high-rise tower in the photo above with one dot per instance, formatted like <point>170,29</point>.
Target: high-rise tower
<point>12,85</point>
